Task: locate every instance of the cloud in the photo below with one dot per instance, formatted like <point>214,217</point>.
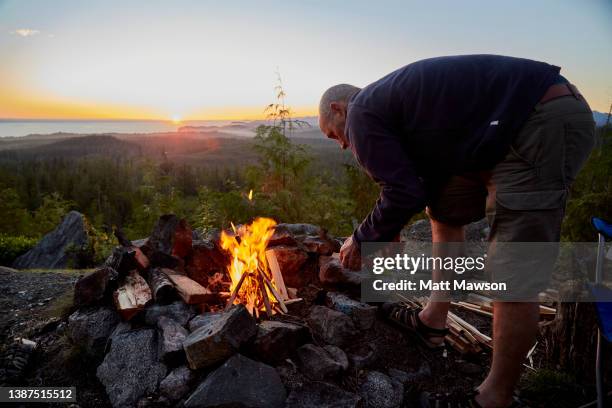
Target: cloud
<point>25,32</point>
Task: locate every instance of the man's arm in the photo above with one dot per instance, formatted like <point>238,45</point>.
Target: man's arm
<point>380,152</point>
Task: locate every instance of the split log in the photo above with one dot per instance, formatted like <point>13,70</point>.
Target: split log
<point>132,296</point>
<point>189,290</point>
<point>163,289</point>
<point>277,276</point>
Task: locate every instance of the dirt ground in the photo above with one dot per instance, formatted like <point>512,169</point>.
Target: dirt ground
<point>33,304</point>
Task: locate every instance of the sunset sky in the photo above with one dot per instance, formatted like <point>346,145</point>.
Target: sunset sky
<point>216,60</point>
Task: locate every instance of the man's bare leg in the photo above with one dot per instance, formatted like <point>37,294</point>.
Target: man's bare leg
<point>434,313</point>
<point>515,327</point>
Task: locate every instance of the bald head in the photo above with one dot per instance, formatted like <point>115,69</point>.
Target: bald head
<point>332,112</point>
<point>337,93</point>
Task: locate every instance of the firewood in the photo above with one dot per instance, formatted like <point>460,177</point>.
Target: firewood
<point>132,296</point>
<point>230,302</point>
<point>161,286</point>
<point>191,291</point>
<point>278,297</point>
<point>264,294</point>
<point>277,275</point>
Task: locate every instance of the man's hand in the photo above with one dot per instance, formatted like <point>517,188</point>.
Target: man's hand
<point>350,255</point>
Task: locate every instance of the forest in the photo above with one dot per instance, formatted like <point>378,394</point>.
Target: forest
<point>128,184</point>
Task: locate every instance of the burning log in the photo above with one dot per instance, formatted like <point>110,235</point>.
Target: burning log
<point>161,286</point>
<point>253,283</point>
<point>189,290</point>
<point>132,296</point>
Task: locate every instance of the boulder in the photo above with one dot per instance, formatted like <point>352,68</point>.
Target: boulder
<point>177,384</point>
<point>276,340</point>
<point>91,328</point>
<point>171,236</point>
<point>203,319</point>
<point>291,261</point>
<point>363,315</point>
<point>57,249</point>
<point>95,287</point>
<point>300,229</point>
<point>282,236</point>
<point>205,260</point>
<point>321,245</point>
<point>240,382</point>
<point>219,338</point>
<point>177,311</point>
<point>317,363</point>
<point>407,378</point>
<point>131,369</point>
<point>331,326</point>
<point>320,394</point>
<point>380,391</point>
<point>171,338</point>
<point>362,355</point>
<point>332,272</point>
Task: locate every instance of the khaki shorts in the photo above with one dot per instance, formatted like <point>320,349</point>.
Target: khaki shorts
<point>524,196</point>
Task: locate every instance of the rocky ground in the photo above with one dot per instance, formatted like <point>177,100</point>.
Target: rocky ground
<point>391,356</point>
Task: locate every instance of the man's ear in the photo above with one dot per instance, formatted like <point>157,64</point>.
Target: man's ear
<point>336,107</point>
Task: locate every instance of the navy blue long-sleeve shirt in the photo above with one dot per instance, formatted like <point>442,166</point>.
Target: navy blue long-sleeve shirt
<point>434,118</point>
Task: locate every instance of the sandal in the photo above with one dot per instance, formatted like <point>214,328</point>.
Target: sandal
<point>408,318</point>
<point>456,400</point>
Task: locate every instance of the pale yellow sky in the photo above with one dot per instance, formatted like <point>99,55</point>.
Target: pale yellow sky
<point>211,60</point>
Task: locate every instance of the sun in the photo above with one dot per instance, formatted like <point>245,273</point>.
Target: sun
<point>176,119</point>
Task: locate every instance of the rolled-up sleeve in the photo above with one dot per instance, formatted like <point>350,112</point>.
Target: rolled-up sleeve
<point>380,152</point>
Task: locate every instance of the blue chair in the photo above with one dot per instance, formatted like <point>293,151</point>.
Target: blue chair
<point>603,305</point>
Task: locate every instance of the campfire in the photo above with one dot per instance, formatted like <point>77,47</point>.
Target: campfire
<point>253,282</point>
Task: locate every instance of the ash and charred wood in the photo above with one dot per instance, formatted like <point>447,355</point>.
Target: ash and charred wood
<point>161,286</point>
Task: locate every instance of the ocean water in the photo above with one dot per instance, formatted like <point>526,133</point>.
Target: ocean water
<point>17,128</point>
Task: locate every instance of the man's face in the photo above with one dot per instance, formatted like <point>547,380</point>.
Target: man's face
<point>333,126</point>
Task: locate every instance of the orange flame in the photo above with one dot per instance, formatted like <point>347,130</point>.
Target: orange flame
<point>247,248</point>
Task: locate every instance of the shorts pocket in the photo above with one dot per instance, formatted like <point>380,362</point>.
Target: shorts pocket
<point>532,200</point>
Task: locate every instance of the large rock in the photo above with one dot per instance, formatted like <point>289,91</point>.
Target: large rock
<point>203,319</point>
<point>57,248</point>
<point>240,382</point>
<point>300,229</point>
<point>318,363</point>
<point>363,315</point>
<point>171,338</point>
<point>275,340</point>
<point>95,287</point>
<point>171,236</point>
<point>321,245</point>
<point>219,338</point>
<point>177,311</point>
<point>131,369</point>
<point>90,328</point>
<point>380,391</point>
<point>291,261</point>
<point>331,326</point>
<point>177,384</point>
<point>205,260</point>
<point>332,272</point>
<point>321,395</point>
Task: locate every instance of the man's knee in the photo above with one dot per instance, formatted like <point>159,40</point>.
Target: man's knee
<point>445,232</point>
